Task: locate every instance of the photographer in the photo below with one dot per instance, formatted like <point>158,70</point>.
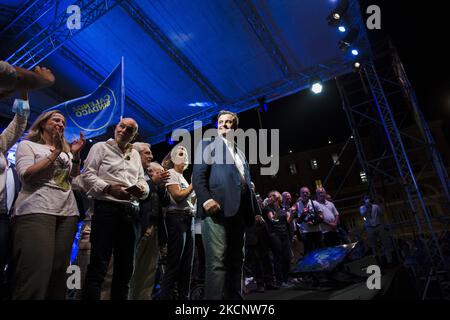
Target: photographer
<point>309,216</point>
<point>373,217</point>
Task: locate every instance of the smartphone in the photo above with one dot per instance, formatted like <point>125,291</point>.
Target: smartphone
<point>133,189</point>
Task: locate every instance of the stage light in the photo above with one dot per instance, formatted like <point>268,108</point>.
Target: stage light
<point>343,45</point>
<point>356,67</point>
<point>350,37</point>
<point>355,52</point>
<point>342,29</point>
<point>201,104</point>
<point>316,86</point>
<point>335,17</point>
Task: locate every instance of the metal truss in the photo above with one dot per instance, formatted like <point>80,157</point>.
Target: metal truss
<point>150,27</point>
<point>55,34</point>
<point>378,113</point>
<point>26,22</point>
<point>252,16</point>
<point>26,17</point>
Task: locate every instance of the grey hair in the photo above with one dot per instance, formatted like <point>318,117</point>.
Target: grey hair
<point>139,145</point>
<point>156,165</point>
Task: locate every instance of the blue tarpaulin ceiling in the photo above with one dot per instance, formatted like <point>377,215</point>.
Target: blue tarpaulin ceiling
<point>184,59</point>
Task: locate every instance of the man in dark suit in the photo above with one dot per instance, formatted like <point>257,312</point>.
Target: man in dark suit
<point>227,205</point>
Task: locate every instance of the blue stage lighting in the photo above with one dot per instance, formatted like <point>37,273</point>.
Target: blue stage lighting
<point>342,29</point>
<point>355,52</point>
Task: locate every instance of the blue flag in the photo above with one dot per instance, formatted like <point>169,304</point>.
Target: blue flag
<point>94,113</point>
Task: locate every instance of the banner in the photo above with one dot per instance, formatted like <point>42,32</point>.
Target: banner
<point>94,113</point>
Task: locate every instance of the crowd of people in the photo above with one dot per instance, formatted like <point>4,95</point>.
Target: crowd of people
<point>141,212</point>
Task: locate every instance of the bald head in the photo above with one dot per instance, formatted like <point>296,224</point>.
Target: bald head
<point>304,193</point>
<point>321,194</point>
<point>125,131</point>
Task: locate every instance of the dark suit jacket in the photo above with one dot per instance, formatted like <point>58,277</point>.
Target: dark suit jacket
<point>214,179</point>
<point>17,186</point>
<point>150,210</point>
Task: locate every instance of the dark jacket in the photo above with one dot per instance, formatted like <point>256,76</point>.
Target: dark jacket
<point>150,209</point>
<point>215,179</point>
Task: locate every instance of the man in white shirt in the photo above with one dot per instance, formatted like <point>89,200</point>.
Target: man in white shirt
<point>309,215</point>
<point>330,219</point>
<point>111,168</point>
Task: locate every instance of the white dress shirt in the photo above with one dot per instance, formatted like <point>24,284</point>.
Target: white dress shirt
<point>107,164</point>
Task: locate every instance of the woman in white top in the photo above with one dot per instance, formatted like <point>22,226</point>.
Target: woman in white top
<point>180,227</point>
<point>45,213</point>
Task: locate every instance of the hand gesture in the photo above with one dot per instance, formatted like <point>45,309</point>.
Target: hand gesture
<point>160,178</point>
<point>78,144</point>
<point>259,219</point>
<point>46,75</point>
<point>118,191</point>
<point>212,208</point>
<point>58,140</point>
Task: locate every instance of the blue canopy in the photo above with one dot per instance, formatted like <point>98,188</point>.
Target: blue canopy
<point>184,59</point>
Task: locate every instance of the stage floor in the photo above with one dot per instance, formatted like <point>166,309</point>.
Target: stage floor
<point>357,291</point>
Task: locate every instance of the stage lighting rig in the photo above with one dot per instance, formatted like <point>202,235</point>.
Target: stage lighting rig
<point>335,17</point>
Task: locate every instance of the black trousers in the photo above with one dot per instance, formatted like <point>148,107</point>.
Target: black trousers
<point>281,249</point>
<point>259,255</point>
<point>5,257</point>
<point>180,256</point>
<point>115,229</point>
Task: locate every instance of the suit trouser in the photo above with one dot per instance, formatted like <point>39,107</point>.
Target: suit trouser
<point>41,251</point>
<point>114,229</point>
<point>146,263</point>
<point>223,240</point>
<point>375,233</point>
<point>260,258</point>
<point>5,256</point>
<point>180,255</point>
